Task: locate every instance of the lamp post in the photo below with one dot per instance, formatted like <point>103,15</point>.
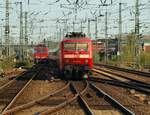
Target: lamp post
<point>106,38</point>
<point>120,35</point>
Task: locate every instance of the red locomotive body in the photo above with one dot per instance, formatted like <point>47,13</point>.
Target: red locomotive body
<point>76,55</point>
<point>40,53</point>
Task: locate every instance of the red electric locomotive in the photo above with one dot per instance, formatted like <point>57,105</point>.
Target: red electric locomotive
<point>76,55</point>
<point>40,53</point>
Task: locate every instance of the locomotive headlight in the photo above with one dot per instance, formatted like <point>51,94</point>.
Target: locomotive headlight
<point>86,61</point>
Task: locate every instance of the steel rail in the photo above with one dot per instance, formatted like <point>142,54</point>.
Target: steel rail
<point>18,94</point>
<point>82,102</point>
<point>116,83</point>
<point>130,84</point>
<point>85,106</point>
<point>10,82</point>
<point>32,103</point>
<point>144,74</point>
<point>57,107</point>
<point>110,82</point>
<point>114,102</point>
<point>136,82</point>
<point>18,76</point>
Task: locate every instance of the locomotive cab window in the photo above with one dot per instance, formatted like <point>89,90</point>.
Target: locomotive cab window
<point>82,46</point>
<point>69,46</point>
<point>76,46</point>
<point>40,50</point>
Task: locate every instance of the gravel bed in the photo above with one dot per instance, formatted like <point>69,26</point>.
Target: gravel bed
<point>98,105</point>
<point>130,101</point>
<point>79,85</point>
<point>38,89</point>
<point>106,112</point>
<point>94,101</point>
<point>3,81</point>
<point>70,109</point>
<point>31,110</point>
<point>9,92</point>
<point>10,74</point>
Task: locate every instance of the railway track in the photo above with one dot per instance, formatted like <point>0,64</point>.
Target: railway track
<point>134,101</point>
<point>18,77</point>
<point>39,85</point>
<point>79,96</point>
<point>132,88</point>
<point>135,78</point>
<point>82,97</point>
<point>13,90</point>
<point>94,100</point>
<point>112,101</point>
<point>37,89</point>
<point>69,95</point>
<point>144,74</point>
<point>35,104</point>
<point>7,82</point>
<point>49,103</point>
<point>122,80</point>
<point>10,91</point>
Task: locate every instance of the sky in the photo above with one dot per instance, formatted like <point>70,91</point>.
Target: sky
<point>48,18</point>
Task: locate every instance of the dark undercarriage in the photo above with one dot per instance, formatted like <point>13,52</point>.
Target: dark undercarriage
<point>76,71</point>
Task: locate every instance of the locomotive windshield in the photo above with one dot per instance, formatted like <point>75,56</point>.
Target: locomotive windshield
<point>40,50</point>
<point>76,46</point>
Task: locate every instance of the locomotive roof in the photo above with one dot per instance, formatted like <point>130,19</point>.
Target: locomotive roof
<point>75,35</point>
<point>40,45</point>
<point>81,39</point>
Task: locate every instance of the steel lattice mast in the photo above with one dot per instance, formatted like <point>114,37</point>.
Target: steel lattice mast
<point>7,29</point>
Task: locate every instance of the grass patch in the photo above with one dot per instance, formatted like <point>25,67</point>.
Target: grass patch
<point>10,63</point>
<point>23,64</point>
<point>7,63</point>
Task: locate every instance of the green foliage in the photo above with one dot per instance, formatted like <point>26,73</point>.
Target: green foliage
<point>129,54</point>
<point>24,63</point>
<point>114,58</point>
<point>7,63</point>
<point>129,50</point>
<point>96,57</point>
<point>144,59</point>
<point>19,64</point>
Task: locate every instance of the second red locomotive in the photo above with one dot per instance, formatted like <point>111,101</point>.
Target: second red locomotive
<point>40,53</point>
<point>76,55</point>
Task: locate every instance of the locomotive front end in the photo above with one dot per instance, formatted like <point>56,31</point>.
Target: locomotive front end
<point>40,54</point>
<point>76,57</point>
